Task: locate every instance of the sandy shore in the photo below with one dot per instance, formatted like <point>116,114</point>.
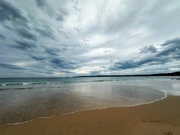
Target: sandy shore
<point>159,118</point>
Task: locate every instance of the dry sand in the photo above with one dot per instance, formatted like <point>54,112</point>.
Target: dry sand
<point>159,118</point>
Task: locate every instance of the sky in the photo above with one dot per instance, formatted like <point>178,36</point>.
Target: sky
<point>60,38</point>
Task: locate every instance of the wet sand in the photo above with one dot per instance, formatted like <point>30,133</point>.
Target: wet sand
<point>159,118</point>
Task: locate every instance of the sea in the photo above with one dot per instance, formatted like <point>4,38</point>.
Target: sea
<point>26,99</point>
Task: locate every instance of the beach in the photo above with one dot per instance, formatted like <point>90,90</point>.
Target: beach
<point>158,118</point>
<point>79,67</point>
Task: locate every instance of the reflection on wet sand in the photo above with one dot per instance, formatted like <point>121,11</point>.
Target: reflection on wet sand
<point>24,105</point>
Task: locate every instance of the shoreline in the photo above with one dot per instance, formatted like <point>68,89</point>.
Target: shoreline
<point>161,117</point>
<point>70,113</point>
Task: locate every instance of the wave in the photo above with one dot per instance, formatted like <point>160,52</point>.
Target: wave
<point>86,81</point>
<point>37,83</point>
<point>22,83</point>
<point>1,89</point>
<point>76,80</point>
<point>42,83</point>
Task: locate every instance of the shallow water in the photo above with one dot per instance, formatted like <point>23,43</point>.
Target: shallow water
<point>26,99</point>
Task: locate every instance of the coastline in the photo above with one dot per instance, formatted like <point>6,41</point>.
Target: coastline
<point>160,117</point>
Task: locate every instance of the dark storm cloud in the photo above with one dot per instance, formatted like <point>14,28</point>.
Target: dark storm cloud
<point>9,12</point>
<point>2,37</point>
<point>63,13</point>
<point>136,64</point>
<point>9,66</point>
<point>45,31</point>
<point>171,48</point>
<point>54,65</point>
<point>46,54</point>
<point>62,63</point>
<point>170,51</point>
<point>26,33</point>
<point>24,45</point>
<point>59,16</point>
<point>124,65</point>
<point>149,49</point>
<point>38,58</point>
<point>175,41</point>
<point>51,37</point>
<point>50,56</point>
<point>52,51</point>
<point>42,4</point>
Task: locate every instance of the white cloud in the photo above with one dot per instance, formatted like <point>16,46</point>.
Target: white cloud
<point>62,37</point>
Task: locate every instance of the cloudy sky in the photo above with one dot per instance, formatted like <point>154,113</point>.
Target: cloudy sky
<point>88,37</point>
